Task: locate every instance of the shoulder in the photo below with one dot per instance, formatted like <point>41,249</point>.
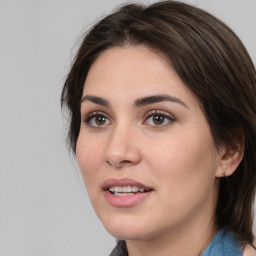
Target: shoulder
<point>249,251</point>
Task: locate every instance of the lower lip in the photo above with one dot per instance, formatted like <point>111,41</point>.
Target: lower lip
<point>125,201</point>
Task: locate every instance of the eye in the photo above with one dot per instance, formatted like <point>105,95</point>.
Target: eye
<point>96,120</point>
<point>156,118</point>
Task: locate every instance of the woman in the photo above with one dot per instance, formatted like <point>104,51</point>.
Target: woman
<point>163,124</point>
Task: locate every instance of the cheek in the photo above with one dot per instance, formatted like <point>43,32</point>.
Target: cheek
<point>89,157</point>
<point>183,163</point>
<point>185,176</point>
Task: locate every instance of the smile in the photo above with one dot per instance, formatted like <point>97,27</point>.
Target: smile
<point>125,192</point>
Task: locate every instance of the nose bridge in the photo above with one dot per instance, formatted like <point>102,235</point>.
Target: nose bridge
<point>121,148</point>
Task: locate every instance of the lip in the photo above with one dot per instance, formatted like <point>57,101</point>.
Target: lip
<point>125,201</point>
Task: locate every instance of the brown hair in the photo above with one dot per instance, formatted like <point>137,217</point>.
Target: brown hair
<point>215,66</point>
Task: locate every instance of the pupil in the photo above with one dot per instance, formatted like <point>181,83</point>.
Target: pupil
<point>158,119</point>
<point>100,120</point>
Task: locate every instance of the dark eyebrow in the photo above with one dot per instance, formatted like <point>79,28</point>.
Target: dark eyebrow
<point>158,98</point>
<point>96,100</point>
<point>139,102</point>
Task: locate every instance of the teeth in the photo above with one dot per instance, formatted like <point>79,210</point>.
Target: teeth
<point>125,189</point>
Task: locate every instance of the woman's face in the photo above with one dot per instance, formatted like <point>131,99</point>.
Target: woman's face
<point>145,149</point>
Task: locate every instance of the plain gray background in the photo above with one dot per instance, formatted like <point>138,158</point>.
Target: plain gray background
<point>44,209</point>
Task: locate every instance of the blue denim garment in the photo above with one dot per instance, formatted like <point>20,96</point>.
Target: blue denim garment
<point>224,243</point>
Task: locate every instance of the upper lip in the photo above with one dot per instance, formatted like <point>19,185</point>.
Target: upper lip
<point>112,182</point>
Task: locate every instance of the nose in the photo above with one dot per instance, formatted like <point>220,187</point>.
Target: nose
<point>122,149</point>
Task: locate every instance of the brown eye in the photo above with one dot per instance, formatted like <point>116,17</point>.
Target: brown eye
<point>158,119</point>
<point>100,120</point>
<point>97,120</point>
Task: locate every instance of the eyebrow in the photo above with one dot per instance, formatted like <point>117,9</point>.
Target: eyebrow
<point>158,98</point>
<point>96,100</point>
<point>139,102</point>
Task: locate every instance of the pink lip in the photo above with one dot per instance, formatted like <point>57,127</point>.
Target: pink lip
<point>125,201</point>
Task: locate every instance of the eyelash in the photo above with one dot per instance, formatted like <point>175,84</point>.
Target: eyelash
<point>163,114</point>
<point>88,119</point>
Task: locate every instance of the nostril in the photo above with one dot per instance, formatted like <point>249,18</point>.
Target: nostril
<point>124,162</point>
<point>108,163</point>
<point>119,164</point>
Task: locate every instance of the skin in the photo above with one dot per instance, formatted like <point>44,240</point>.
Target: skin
<point>176,158</point>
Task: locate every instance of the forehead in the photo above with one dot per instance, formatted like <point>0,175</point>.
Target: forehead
<point>126,60</point>
<point>133,71</point>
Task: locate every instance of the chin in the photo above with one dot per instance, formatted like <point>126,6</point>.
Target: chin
<point>126,228</point>
<point>127,234</point>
